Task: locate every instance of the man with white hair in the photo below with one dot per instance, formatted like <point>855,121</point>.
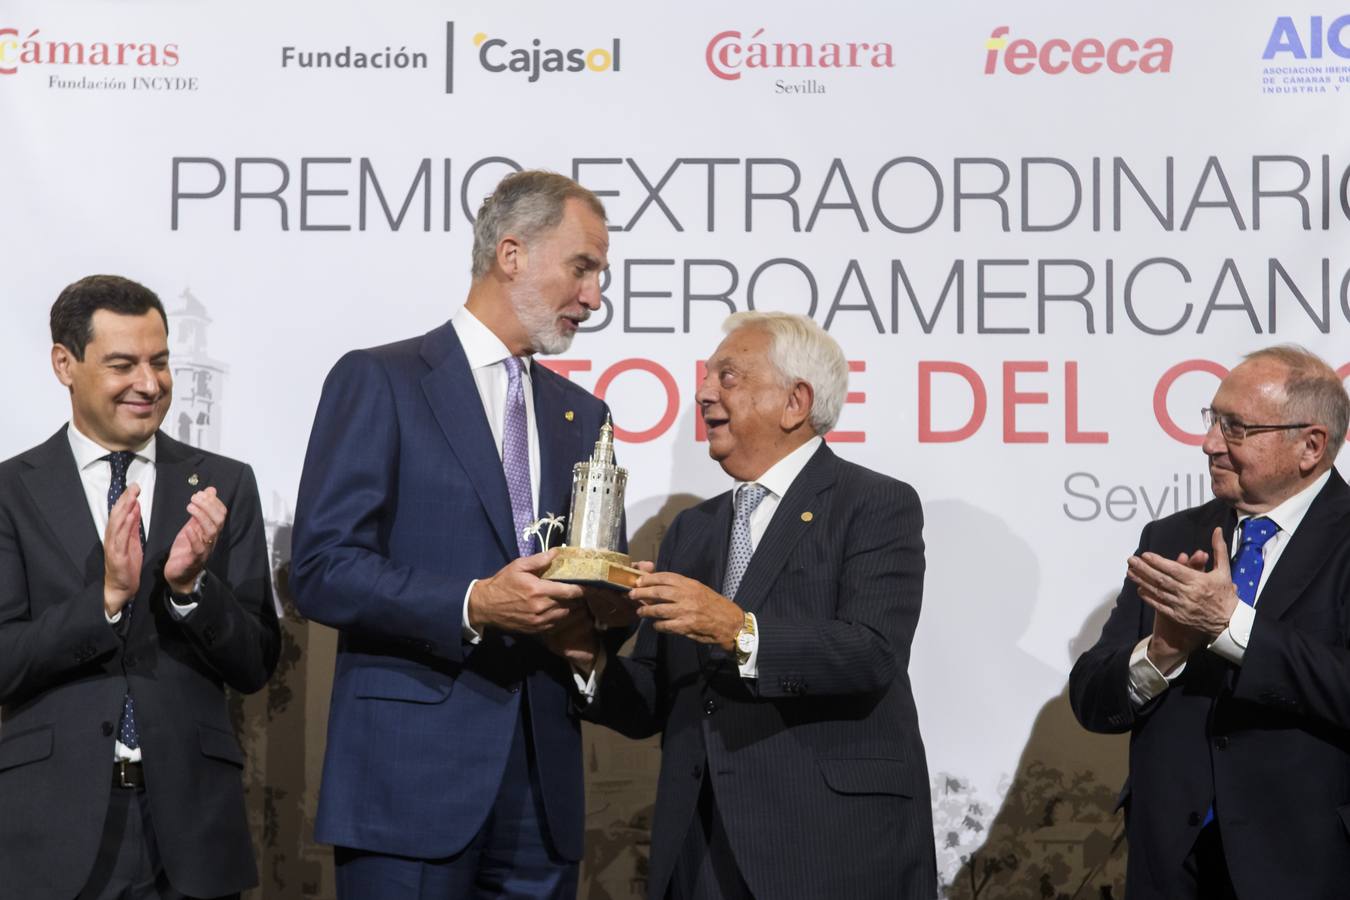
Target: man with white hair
<point>1226,656</point>
<point>773,652</point>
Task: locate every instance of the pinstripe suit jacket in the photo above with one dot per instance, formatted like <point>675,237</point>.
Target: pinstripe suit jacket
<point>817,766</point>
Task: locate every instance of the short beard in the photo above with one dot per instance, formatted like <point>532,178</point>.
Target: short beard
<point>540,324</point>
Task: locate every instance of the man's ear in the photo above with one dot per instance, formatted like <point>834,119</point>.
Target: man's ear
<point>797,410</point>
<point>511,255</point>
<point>62,363</point>
<point>1312,448</point>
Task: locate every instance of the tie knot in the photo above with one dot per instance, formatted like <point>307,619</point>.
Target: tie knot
<point>120,459</point>
<point>513,369</point>
<point>748,499</point>
<point>1257,531</point>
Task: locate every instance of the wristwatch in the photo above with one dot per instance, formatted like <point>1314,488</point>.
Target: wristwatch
<point>746,640</point>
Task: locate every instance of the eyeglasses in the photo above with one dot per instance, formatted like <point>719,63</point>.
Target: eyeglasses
<point>1235,430</point>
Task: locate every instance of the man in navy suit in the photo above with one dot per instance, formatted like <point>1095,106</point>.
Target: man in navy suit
<point>1229,667</point>
<point>453,766</point>
<point>774,649</point>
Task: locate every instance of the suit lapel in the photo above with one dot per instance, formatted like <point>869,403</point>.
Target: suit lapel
<point>56,488</point>
<point>1312,545</point>
<point>453,397</point>
<point>175,464</point>
<point>561,443</point>
<point>785,529</point>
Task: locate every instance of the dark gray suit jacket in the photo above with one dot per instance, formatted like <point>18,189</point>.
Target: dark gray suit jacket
<point>64,671</point>
<point>817,766</point>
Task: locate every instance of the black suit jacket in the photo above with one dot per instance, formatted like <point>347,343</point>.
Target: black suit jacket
<point>1267,742</point>
<point>64,671</point>
<point>817,766</point>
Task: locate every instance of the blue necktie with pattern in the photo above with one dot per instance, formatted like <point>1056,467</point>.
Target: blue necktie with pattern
<point>738,556</point>
<point>516,454</point>
<point>120,461</point>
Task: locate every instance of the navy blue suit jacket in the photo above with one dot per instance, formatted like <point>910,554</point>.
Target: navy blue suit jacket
<point>402,503</point>
<point>1266,743</point>
<point>817,766</point>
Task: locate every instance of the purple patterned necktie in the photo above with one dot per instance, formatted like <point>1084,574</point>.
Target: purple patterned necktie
<point>516,454</point>
<point>119,461</point>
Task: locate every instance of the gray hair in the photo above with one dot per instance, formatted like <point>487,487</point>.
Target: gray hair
<point>525,204</point>
<point>1314,392</point>
<point>802,351</point>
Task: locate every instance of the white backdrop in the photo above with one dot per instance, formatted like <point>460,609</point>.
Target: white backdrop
<point>876,167</point>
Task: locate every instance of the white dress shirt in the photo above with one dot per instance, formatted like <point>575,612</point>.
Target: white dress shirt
<point>1146,682</point>
<point>96,478</point>
<point>487,361</point>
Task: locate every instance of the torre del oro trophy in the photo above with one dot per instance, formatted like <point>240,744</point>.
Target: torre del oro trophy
<point>594,525</point>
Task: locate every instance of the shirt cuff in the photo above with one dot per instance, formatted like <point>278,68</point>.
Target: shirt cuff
<point>467,631</point>
<point>750,668</point>
<point>113,619</point>
<point>586,686</point>
<point>182,610</point>
<point>1232,644</point>
<point>1146,682</point>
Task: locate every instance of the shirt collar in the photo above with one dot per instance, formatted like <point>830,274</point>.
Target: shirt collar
<point>781,474</point>
<point>1290,513</point>
<point>88,451</point>
<point>482,348</point>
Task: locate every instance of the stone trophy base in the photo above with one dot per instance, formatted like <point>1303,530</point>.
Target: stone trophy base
<point>597,568</point>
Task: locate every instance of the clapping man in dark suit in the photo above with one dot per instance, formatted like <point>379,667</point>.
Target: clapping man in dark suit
<point>134,587</point>
<point>774,647</point>
<point>1227,656</point>
<point>453,766</point>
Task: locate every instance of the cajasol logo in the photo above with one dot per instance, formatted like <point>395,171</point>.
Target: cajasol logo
<point>532,58</point>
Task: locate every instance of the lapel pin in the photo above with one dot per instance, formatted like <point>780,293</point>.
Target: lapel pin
<point>569,415</point>
<point>193,479</point>
<point>807,516</point>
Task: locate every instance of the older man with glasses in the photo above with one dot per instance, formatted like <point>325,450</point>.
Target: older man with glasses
<point>1227,656</point>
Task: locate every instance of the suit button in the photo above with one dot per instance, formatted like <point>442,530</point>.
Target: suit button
<point>1193,819</point>
<point>515,689</point>
<point>1222,742</point>
<point>106,728</point>
<point>698,771</point>
<point>709,706</point>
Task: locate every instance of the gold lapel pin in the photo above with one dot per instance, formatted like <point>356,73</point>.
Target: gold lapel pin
<point>569,415</point>
<point>193,479</point>
<point>807,516</point>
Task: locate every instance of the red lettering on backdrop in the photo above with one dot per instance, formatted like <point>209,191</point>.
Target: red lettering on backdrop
<point>667,382</point>
<point>1071,433</point>
<point>1013,398</point>
<point>927,434</point>
<point>1165,383</point>
<point>565,367</point>
<point>851,437</point>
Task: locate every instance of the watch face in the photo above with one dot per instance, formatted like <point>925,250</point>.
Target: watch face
<point>745,642</point>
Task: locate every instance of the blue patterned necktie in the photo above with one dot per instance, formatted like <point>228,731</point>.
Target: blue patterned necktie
<point>119,461</point>
<point>738,558</point>
<point>1250,560</point>
<point>516,454</point>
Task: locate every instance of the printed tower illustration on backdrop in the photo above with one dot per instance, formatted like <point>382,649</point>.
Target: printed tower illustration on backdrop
<point>198,380</point>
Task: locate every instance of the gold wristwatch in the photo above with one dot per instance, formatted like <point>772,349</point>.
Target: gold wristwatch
<point>746,639</point>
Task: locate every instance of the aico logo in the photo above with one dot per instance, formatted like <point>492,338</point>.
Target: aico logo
<point>30,50</point>
<point>1285,38</point>
<point>1089,55</point>
<point>496,55</point>
<point>727,54</point>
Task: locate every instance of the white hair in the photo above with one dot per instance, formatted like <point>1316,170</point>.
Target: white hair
<point>802,351</point>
